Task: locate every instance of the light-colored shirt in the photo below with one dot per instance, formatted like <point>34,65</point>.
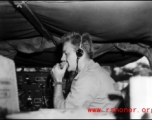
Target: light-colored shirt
<point>91,88</point>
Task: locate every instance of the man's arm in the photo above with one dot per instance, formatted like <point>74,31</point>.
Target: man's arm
<point>58,98</point>
<point>57,74</point>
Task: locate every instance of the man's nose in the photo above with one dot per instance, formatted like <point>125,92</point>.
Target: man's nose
<point>63,58</point>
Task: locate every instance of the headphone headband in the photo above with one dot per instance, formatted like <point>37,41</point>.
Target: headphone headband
<point>79,52</point>
<point>80,43</point>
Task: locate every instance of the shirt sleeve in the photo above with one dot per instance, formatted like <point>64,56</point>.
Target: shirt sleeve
<point>83,92</point>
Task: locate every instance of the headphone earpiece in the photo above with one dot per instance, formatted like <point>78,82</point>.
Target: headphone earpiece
<point>79,53</point>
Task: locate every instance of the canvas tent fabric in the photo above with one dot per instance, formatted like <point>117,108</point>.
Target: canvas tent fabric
<point>108,22</point>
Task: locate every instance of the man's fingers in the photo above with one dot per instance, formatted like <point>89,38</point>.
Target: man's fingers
<point>57,73</point>
<point>58,68</point>
<point>57,65</point>
<point>65,66</point>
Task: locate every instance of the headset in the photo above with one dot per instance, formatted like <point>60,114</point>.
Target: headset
<point>79,52</point>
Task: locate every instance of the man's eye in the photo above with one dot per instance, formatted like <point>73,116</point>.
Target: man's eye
<point>67,54</point>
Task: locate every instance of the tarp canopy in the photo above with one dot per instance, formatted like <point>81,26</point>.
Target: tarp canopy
<point>110,23</point>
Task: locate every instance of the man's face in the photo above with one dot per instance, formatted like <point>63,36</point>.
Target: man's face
<point>69,56</point>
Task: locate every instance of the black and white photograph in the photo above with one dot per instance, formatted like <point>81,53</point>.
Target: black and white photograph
<point>75,59</point>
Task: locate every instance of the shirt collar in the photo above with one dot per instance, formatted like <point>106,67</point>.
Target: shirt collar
<point>86,67</point>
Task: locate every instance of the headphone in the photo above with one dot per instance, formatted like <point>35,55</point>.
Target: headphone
<point>79,52</point>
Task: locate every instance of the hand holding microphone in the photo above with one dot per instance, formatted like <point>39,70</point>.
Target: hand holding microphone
<point>58,71</point>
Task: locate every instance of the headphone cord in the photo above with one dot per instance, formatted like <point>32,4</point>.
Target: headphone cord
<point>77,65</point>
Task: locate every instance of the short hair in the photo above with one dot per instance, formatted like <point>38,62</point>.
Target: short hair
<point>76,39</point>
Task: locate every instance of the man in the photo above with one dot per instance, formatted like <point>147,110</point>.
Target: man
<point>92,86</point>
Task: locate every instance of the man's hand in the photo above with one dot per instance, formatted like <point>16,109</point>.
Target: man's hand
<point>58,73</point>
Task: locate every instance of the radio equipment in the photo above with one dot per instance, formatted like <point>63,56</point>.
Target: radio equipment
<point>34,90</point>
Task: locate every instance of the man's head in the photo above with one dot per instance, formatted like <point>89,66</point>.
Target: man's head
<point>71,43</point>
